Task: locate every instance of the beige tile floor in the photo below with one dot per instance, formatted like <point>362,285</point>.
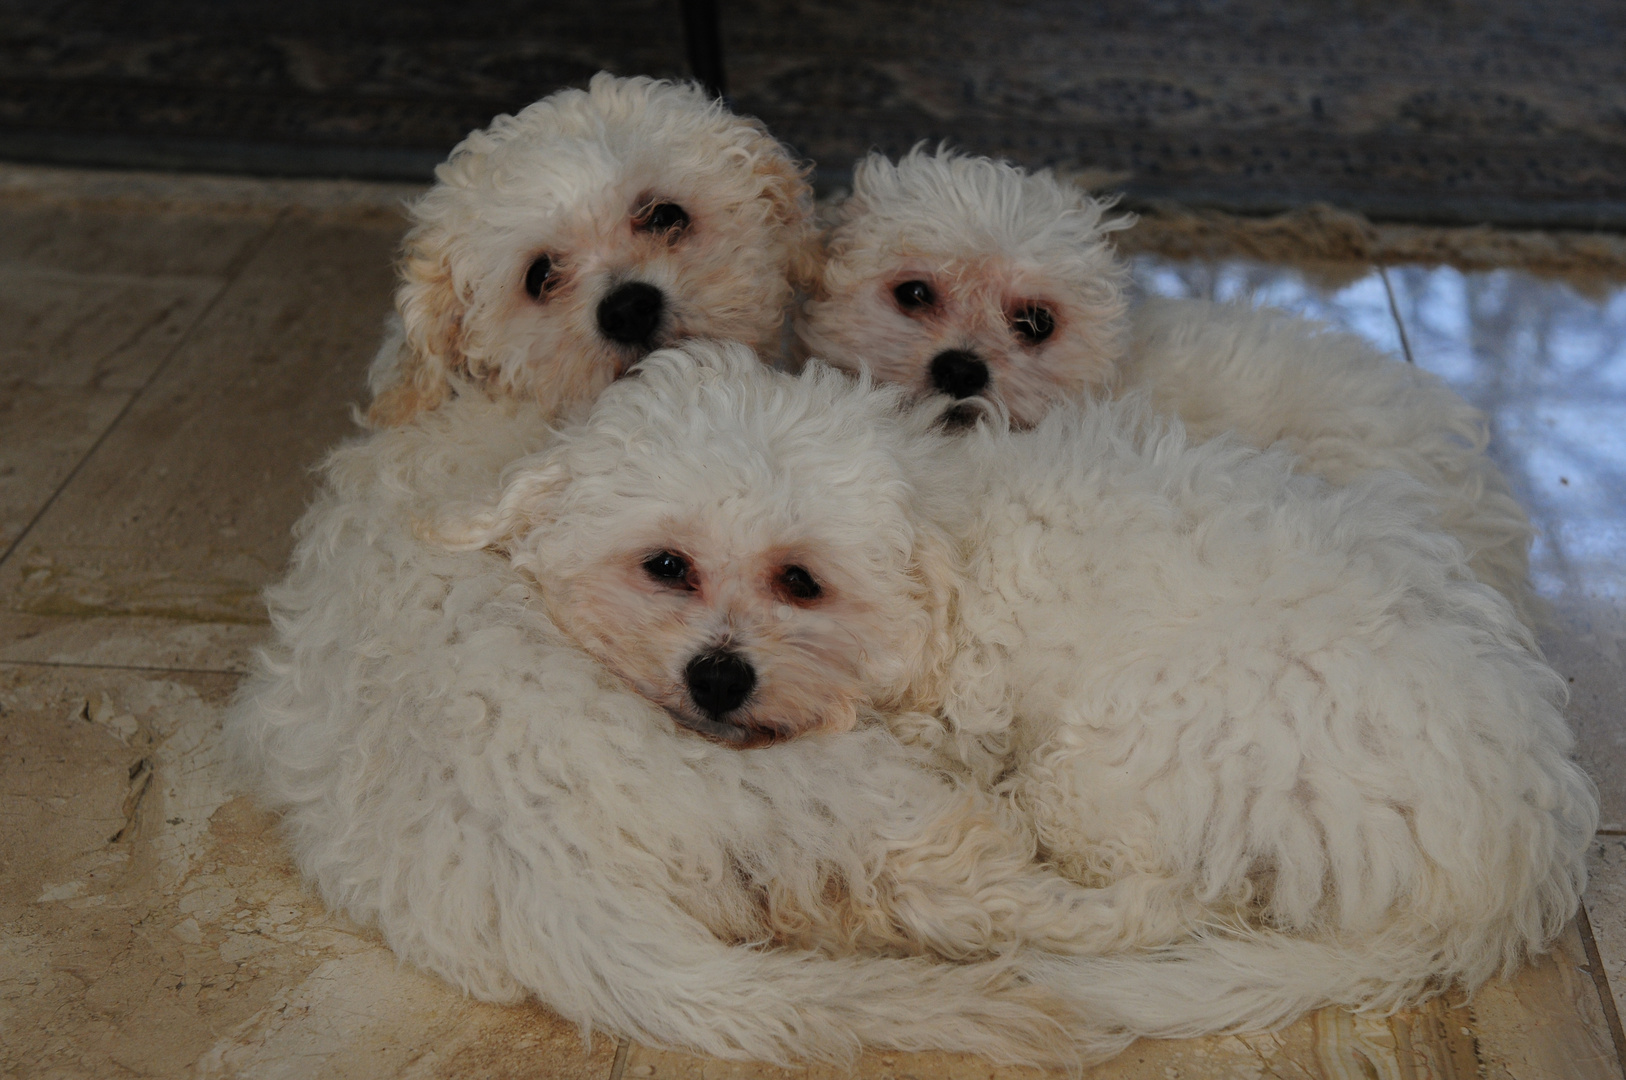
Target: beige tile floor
<point>175,353</point>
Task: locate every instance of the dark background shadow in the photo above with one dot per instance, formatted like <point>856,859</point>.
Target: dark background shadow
<point>1504,111</point>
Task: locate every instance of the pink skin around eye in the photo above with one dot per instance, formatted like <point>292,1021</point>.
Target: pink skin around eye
<point>806,651</point>
<point>861,324</point>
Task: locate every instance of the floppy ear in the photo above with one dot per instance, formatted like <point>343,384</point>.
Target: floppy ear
<point>790,200</point>
<point>530,487</point>
<point>432,350</point>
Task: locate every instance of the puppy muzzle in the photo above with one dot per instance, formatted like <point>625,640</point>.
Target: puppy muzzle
<point>959,373</point>
<point>631,313</point>
<point>719,683</point>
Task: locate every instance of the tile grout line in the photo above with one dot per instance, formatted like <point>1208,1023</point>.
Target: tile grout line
<point>249,251</point>
<point>1394,312</point>
<point>121,667</point>
<point>618,1068</point>
<point>1600,981</point>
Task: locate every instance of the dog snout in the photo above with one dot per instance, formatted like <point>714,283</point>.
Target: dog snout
<point>959,373</point>
<point>720,682</point>
<point>631,312</point>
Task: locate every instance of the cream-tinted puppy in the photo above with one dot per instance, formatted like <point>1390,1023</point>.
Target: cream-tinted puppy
<point>520,755</point>
<point>1276,725</point>
<point>1272,731</point>
<point>978,281</point>
<point>1288,749</point>
<point>562,243</point>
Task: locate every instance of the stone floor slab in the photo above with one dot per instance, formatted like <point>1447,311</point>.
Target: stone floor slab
<point>183,514</point>
<point>46,432</point>
<point>98,330</point>
<point>135,642</point>
<point>1606,910</point>
<point>138,239</point>
<point>151,921</point>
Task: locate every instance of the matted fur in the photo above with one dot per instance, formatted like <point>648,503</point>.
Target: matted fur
<point>568,177</point>
<point>991,237</point>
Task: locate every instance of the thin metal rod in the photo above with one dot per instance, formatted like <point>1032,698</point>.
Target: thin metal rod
<point>703,39</point>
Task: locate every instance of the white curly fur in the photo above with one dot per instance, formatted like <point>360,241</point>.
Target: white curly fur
<point>1274,732</point>
<point>988,240</point>
<point>991,240</point>
<point>453,767</point>
<point>1278,726</point>
<point>1343,408</point>
<point>572,178</point>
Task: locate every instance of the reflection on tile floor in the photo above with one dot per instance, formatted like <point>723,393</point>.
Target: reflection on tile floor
<point>1549,367</point>
<point>1547,364</point>
<point>151,465</point>
<point>1350,297</point>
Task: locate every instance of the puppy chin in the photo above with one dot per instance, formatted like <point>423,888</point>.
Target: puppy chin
<point>761,724</point>
<point>958,417</point>
<point>735,734</point>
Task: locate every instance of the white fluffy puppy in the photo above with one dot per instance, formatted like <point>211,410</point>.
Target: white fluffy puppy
<point>1289,750</point>
<point>561,244</point>
<point>525,767</point>
<point>1278,726</point>
<point>972,278</point>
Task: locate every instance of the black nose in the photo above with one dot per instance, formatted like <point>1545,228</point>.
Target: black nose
<point>719,682</point>
<point>631,313</point>
<point>959,373</point>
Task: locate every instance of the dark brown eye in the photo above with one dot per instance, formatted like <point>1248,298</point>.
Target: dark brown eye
<point>662,217</point>
<point>669,569</point>
<point>1033,324</point>
<point>539,277</point>
<point>799,584</point>
<point>914,295</point>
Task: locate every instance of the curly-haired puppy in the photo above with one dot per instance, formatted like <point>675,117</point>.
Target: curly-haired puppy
<point>525,765</point>
<point>1277,726</point>
<point>1275,730</point>
<point>975,280</point>
<point>561,244</point>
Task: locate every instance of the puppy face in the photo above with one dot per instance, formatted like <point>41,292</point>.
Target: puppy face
<point>734,543</point>
<point>970,278</point>
<point>562,244</point>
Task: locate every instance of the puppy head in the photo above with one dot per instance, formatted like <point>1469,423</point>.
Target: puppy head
<point>972,278</point>
<point>560,245</point>
<point>737,544</point>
